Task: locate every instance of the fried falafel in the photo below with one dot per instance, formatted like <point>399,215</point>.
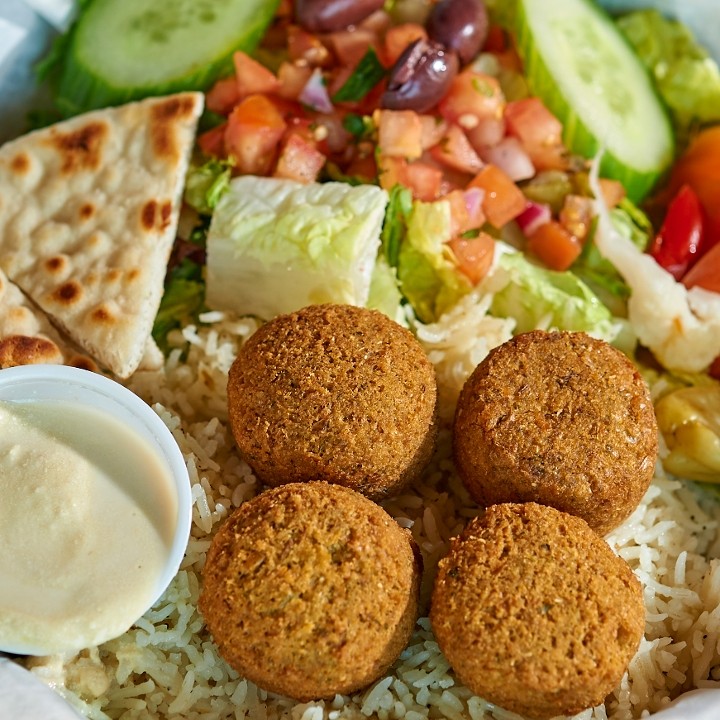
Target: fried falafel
<point>558,418</point>
<point>534,611</point>
<point>310,590</point>
<point>336,393</point>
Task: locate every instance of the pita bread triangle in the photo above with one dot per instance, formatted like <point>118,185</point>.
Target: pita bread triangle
<point>88,213</point>
<point>27,337</point>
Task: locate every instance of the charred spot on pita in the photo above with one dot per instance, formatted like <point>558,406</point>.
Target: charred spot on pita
<point>165,116</point>
<point>23,350</point>
<point>102,315</point>
<point>132,275</point>
<point>68,293</point>
<point>20,164</point>
<point>82,362</point>
<point>155,215</point>
<point>55,264</point>
<point>80,149</point>
<point>87,210</point>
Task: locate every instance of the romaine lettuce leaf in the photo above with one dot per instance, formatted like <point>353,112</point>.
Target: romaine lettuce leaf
<point>541,298</point>
<point>686,77</point>
<point>275,245</point>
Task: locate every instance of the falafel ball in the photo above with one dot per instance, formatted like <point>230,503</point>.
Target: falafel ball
<point>311,589</point>
<point>336,393</point>
<point>561,419</point>
<point>534,611</point>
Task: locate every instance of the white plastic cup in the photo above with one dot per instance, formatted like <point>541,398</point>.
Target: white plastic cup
<point>72,385</point>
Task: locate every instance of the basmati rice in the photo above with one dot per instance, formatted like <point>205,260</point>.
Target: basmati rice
<point>167,667</point>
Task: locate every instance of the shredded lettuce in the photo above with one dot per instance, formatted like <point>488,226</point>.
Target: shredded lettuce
<point>206,184</point>
<point>686,76</point>
<point>427,269</point>
<point>541,298</point>
<point>600,274</point>
<point>385,294</point>
<point>182,300</point>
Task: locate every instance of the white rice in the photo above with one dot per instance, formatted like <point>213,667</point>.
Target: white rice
<point>166,666</point>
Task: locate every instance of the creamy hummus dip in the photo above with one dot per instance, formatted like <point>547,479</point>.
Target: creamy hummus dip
<point>87,516</point>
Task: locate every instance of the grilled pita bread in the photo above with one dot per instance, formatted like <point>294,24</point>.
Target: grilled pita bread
<point>88,213</point>
<point>27,337</point>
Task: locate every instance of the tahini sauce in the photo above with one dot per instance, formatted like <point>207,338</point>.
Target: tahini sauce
<point>87,516</point>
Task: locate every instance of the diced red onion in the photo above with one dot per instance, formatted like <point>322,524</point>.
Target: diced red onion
<point>473,200</point>
<point>510,156</point>
<point>487,133</point>
<point>315,94</point>
<point>533,216</point>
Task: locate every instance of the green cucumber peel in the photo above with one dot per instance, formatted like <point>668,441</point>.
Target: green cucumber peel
<point>580,65</point>
<point>123,50</point>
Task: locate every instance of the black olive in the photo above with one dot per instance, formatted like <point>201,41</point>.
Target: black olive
<point>331,15</point>
<point>459,25</point>
<point>420,77</point>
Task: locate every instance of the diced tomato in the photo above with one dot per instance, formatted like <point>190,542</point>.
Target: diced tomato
<point>307,48</point>
<point>705,273</point>
<point>349,46</point>
<point>424,180</point>
<point>304,128</point>
<point>680,240</point>
<point>399,133</point>
<point>398,37</point>
<point>539,131</point>
<point>699,167</point>
<point>212,142</point>
<point>363,166</point>
<point>471,96</point>
<point>253,132</point>
<point>554,246</point>
<point>292,79</point>
<point>455,150</point>
<point>433,129</point>
<point>474,255</point>
<point>252,77</point>
<point>223,96</point>
<point>576,215</point>
<point>503,199</point>
<point>391,171</point>
<point>299,160</point>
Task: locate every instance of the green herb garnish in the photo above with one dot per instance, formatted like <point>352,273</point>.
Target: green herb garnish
<point>368,73</point>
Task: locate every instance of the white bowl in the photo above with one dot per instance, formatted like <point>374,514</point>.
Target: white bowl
<point>59,384</point>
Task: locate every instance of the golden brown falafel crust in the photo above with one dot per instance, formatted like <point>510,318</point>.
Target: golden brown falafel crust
<point>561,419</point>
<point>335,393</point>
<point>535,612</point>
<point>311,589</point>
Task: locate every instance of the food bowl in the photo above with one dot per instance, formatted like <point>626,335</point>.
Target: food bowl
<point>96,509</point>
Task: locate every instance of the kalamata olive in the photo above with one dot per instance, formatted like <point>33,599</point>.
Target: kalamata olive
<point>459,25</point>
<point>420,77</point>
<point>331,15</point>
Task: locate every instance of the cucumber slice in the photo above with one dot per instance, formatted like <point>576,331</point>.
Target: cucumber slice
<point>122,50</point>
<point>580,65</point>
